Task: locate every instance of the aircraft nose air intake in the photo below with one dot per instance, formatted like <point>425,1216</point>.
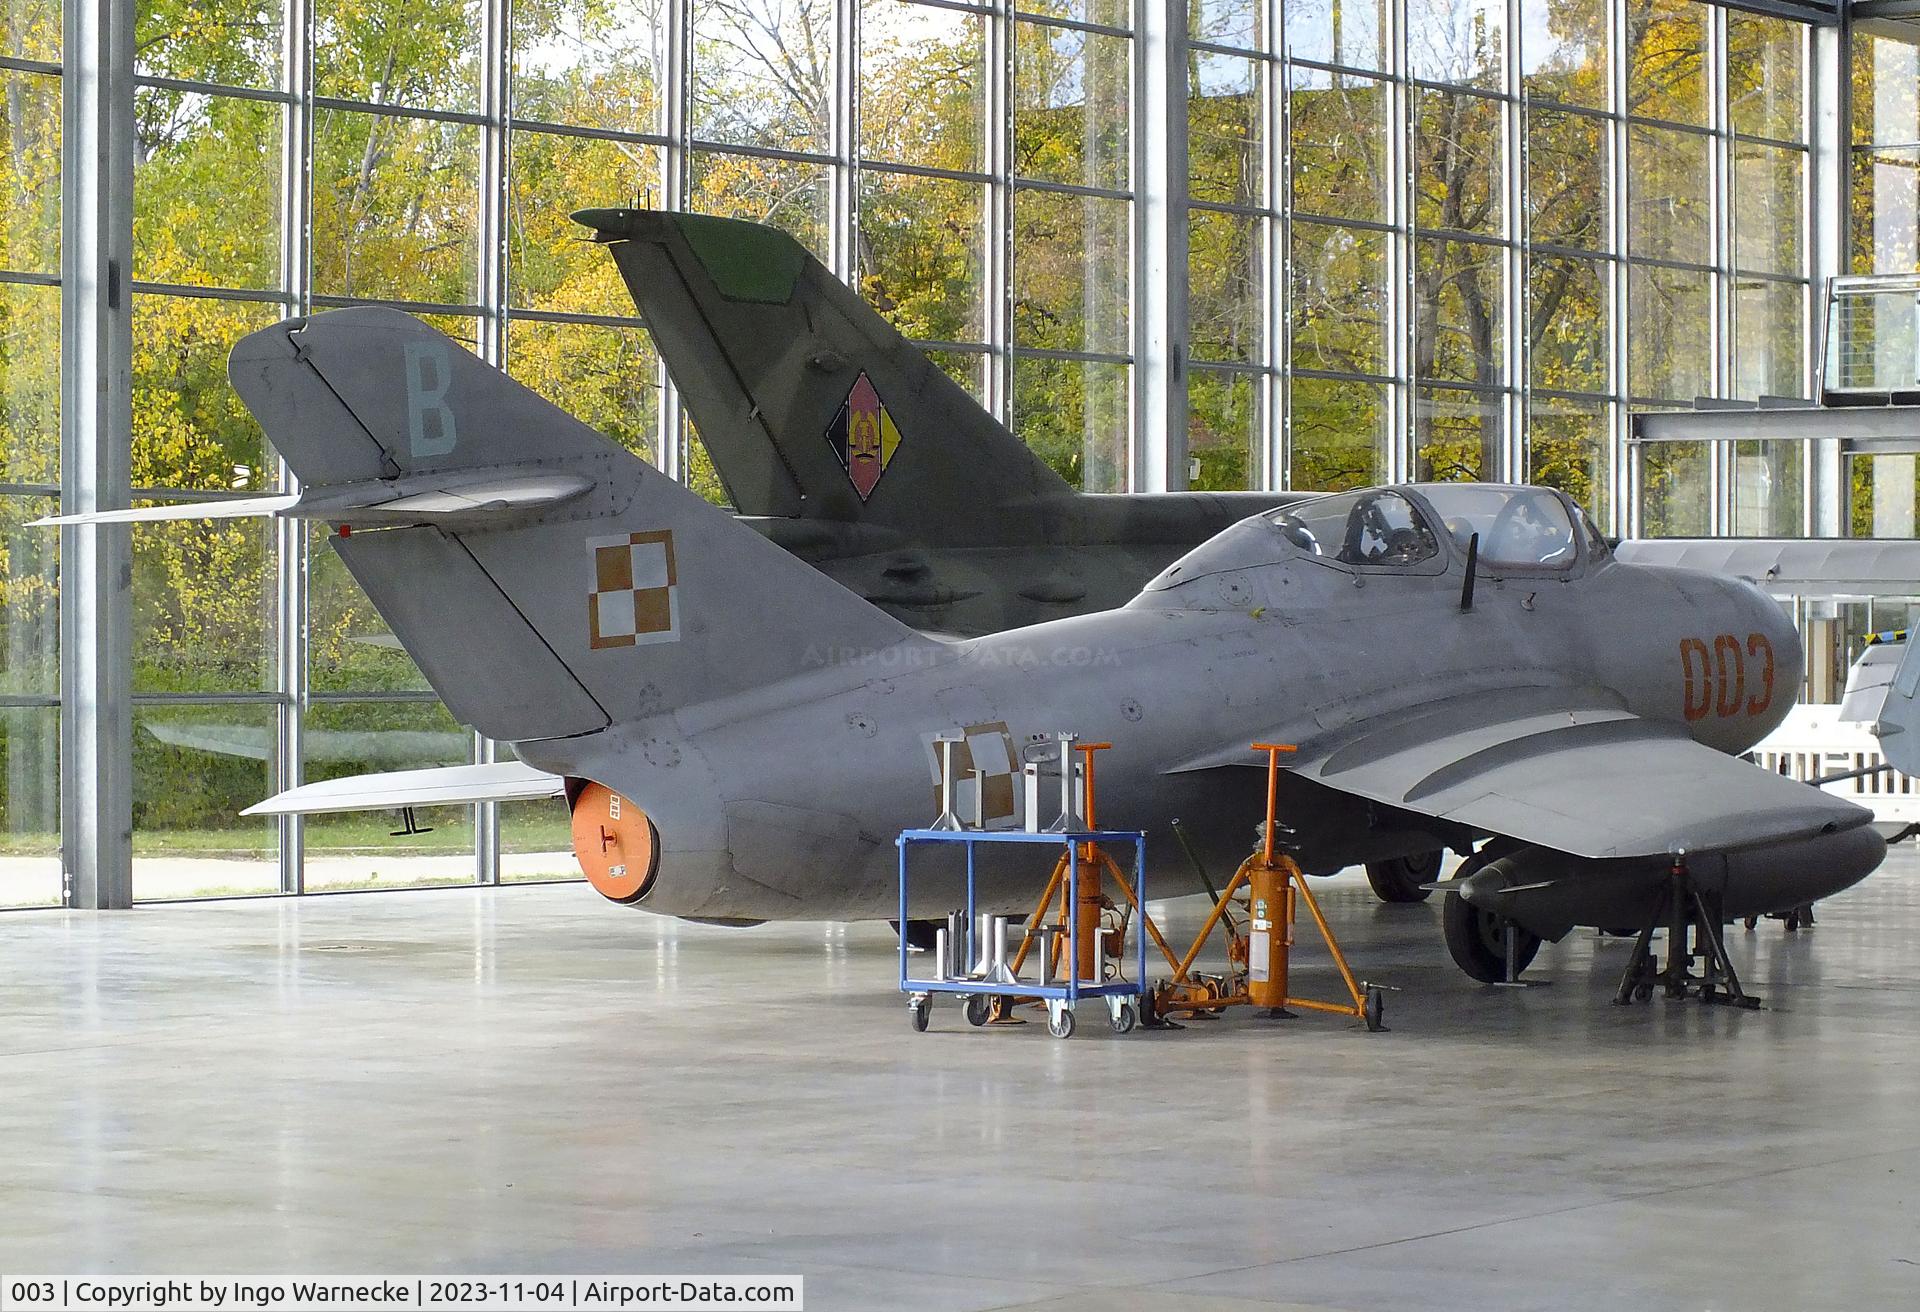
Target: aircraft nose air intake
<point>616,844</point>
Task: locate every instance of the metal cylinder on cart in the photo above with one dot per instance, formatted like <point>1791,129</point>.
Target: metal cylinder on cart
<point>1091,958</point>
<point>1269,935</point>
<point>1088,963</point>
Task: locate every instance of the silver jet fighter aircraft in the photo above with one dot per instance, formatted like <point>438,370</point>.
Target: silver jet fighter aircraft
<point>748,736</point>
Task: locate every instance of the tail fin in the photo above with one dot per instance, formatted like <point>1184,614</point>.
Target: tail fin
<point>617,596</point>
<point>809,402</point>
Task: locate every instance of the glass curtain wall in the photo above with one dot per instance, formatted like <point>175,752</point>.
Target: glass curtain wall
<point>1883,224</point>
<point>30,39</point>
<point>1492,230</point>
<point>1426,238</point>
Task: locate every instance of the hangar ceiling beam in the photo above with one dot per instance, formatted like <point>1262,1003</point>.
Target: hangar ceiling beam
<point>96,423</point>
<point>1876,426</point>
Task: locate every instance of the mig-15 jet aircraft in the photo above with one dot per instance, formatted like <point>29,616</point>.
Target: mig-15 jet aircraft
<point>839,439</point>
<point>741,737</point>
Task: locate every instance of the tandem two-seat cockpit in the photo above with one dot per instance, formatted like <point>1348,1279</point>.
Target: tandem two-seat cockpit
<point>1509,530</point>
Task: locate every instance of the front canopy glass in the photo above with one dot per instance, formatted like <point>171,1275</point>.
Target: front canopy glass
<point>1525,527</point>
<point>1376,527</point>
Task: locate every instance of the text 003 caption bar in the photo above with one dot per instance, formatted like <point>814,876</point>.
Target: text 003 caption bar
<point>497,1293</point>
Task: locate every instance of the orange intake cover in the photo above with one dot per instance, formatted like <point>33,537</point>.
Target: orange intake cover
<point>615,842</point>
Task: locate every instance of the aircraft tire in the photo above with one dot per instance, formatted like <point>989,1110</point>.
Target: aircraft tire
<point>1474,940</point>
<point>1398,881</point>
<point>919,933</point>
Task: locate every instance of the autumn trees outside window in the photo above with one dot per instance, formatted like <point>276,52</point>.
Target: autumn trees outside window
<point>30,41</point>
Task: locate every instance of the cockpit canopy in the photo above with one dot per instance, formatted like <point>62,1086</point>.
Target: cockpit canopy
<point>1375,527</point>
<point>1521,529</point>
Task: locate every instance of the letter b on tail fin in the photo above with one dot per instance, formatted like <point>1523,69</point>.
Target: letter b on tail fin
<point>430,427</point>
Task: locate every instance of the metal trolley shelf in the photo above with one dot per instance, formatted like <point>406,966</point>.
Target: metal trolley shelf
<point>1124,996</point>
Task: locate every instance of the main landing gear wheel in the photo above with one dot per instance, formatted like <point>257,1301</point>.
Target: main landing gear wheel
<point>1399,880</point>
<point>919,1012</point>
<point>1477,941</point>
<point>1060,1023</point>
<point>979,1009</point>
<point>1373,1012</point>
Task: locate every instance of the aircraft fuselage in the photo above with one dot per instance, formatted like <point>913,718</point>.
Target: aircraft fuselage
<point>1292,651</point>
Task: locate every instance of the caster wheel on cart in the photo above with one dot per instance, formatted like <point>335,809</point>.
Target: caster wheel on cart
<point>979,1009</point>
<point>919,1012</point>
<point>1125,1019</point>
<point>1060,1024</point>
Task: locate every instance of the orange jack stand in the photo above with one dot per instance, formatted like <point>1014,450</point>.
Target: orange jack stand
<point>1258,959</point>
<point>1096,943</point>
<point>1093,899</point>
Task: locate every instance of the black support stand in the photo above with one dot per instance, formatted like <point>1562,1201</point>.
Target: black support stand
<point>1682,907</point>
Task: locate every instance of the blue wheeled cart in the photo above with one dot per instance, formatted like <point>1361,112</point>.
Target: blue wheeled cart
<point>987,974</point>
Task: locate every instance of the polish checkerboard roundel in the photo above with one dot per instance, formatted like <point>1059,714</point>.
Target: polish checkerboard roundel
<point>635,597</point>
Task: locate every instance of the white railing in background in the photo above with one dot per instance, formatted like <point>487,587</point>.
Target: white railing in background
<point>1814,741</point>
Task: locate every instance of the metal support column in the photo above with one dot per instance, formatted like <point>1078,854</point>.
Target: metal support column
<point>1721,376</point>
<point>843,245</point>
<point>1830,131</point>
<point>1516,396</point>
<point>96,424</point>
<point>676,41</point>
<point>496,83</point>
<point>290,535</point>
<point>1402,453</point>
<point>997,244</point>
<point>1625,513</point>
<point>1274,469</point>
<point>1160,325</point>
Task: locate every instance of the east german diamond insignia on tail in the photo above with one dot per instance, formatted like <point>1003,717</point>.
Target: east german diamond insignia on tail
<point>863,436</point>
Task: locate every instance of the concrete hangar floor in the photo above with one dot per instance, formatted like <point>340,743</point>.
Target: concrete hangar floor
<point>528,1080</point>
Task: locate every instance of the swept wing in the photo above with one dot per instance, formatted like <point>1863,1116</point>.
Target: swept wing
<point>1568,769</point>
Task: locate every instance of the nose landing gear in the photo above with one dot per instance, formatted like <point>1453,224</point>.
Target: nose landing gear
<point>1485,944</point>
<point>1404,878</point>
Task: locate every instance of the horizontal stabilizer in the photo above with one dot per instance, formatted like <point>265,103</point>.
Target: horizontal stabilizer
<point>438,497</point>
<point>450,785</point>
<point>237,508</point>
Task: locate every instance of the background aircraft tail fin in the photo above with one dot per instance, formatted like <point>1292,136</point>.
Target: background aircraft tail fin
<point>808,400</point>
<point>627,597</point>
<point>1898,723</point>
